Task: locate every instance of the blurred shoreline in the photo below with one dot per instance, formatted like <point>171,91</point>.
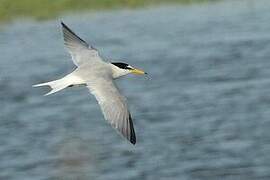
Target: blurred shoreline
<point>46,9</point>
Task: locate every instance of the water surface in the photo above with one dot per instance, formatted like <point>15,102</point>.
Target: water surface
<point>202,113</point>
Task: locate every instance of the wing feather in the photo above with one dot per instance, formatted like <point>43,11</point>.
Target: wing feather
<point>79,50</point>
<point>114,108</point>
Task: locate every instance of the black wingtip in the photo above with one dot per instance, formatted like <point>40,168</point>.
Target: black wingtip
<point>66,27</point>
<point>133,142</point>
<point>63,24</point>
<point>132,132</point>
<point>67,30</point>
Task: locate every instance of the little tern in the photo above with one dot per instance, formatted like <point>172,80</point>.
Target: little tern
<point>98,76</point>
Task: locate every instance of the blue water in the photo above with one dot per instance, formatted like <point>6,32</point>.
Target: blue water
<point>202,113</point>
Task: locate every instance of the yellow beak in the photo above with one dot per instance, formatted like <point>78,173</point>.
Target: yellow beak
<point>137,71</point>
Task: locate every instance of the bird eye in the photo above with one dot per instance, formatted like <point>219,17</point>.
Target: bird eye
<point>129,67</point>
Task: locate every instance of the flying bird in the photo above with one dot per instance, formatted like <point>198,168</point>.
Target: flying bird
<point>98,76</point>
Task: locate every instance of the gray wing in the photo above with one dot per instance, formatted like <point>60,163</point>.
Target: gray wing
<point>114,107</point>
<point>80,51</point>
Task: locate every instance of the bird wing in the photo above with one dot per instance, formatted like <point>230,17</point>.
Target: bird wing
<point>114,107</point>
<point>79,50</point>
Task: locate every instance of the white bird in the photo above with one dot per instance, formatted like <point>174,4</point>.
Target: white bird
<point>98,76</point>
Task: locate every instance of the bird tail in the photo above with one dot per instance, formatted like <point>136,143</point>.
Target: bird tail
<point>56,85</point>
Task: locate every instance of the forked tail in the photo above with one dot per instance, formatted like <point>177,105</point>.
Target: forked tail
<point>56,85</point>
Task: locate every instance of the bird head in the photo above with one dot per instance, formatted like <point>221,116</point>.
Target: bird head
<point>121,69</point>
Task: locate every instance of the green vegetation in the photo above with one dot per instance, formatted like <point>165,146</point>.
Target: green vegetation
<point>44,9</point>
